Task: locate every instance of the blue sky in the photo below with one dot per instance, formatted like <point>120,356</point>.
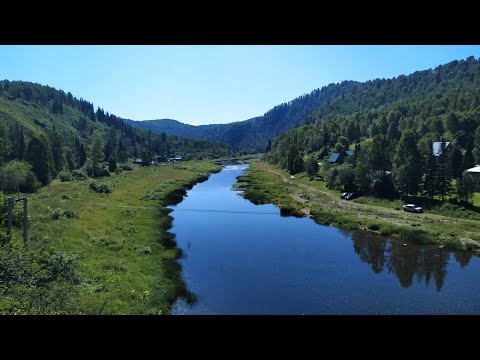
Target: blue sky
<point>210,84</point>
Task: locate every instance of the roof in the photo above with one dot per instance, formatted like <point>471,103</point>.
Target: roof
<point>334,157</point>
<point>475,169</point>
<point>436,147</point>
<point>349,152</point>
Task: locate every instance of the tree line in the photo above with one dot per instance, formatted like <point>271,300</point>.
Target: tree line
<point>391,125</point>
<point>34,151</point>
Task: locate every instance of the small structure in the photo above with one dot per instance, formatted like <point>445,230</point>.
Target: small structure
<point>436,148</point>
<point>138,161</point>
<point>338,158</point>
<point>475,172</point>
<point>176,158</point>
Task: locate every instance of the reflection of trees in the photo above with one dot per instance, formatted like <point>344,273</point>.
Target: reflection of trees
<point>370,250</point>
<point>405,262</point>
<point>463,258</point>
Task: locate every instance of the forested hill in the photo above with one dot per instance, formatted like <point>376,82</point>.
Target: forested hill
<point>339,100</point>
<point>254,134</point>
<point>55,132</point>
<point>394,122</point>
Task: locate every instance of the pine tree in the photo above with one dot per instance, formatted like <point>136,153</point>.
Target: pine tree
<point>444,178</point>
<point>429,179</point>
<point>57,151</point>
<point>456,162</point>
<point>468,160</point>
<point>407,169</point>
<point>465,187</point>
<point>39,155</point>
<point>95,151</point>
<point>311,167</point>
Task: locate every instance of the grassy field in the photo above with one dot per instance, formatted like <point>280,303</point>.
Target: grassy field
<point>476,199</point>
<point>126,258</point>
<point>455,227</point>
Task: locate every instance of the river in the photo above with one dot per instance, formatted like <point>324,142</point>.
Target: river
<point>242,258</point>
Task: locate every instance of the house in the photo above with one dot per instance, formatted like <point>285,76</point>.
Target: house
<point>176,158</point>
<point>338,158</point>
<point>160,158</point>
<point>137,161</point>
<point>475,172</point>
<point>436,151</point>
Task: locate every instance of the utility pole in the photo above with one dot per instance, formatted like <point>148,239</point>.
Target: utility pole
<point>10,203</point>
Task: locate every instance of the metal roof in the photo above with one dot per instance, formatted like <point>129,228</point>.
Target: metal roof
<point>333,158</point>
<point>436,147</point>
<point>475,169</point>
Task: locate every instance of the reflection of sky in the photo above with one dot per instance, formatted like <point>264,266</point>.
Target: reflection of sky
<point>268,264</point>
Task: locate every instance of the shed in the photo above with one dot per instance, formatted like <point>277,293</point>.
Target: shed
<point>475,172</point>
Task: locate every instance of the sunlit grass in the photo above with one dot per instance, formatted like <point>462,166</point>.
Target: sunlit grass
<point>124,253</point>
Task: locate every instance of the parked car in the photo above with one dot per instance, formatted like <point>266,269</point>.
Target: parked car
<point>412,208</point>
<point>292,177</point>
<point>347,195</point>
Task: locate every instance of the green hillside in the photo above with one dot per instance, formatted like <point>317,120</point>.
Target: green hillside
<point>401,118</point>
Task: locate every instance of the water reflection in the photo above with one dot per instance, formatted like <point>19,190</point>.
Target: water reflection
<point>405,261</point>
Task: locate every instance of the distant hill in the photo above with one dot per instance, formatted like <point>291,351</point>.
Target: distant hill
<point>53,131</point>
<point>429,105</point>
<point>341,99</point>
<point>253,134</point>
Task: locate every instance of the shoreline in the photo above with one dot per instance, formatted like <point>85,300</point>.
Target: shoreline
<point>263,183</point>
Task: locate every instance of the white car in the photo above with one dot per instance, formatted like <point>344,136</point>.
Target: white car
<point>412,208</point>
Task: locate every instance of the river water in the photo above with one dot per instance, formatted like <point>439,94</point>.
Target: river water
<point>242,258</point>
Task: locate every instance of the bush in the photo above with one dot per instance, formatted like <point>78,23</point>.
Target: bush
<point>65,176</point>
<point>69,214</point>
<point>18,173</point>
<point>118,170</point>
<point>102,172</point>
<point>79,175</point>
<point>127,167</point>
<point>101,187</point>
<point>55,214</point>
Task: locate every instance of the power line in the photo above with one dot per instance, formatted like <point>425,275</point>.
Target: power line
<point>229,211</point>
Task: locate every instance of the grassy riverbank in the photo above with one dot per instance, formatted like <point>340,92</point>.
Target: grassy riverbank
<point>126,258</point>
<point>264,183</point>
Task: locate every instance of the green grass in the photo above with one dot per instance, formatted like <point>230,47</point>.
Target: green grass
<point>476,199</point>
<point>126,257</point>
<point>448,224</point>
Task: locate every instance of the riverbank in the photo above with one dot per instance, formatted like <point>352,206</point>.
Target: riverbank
<point>264,183</point>
<point>126,258</point>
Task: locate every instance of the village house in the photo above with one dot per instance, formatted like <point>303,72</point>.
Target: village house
<point>436,148</point>
<point>475,172</point>
<point>339,158</point>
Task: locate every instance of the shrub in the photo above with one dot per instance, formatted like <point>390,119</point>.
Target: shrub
<point>18,173</point>
<point>374,227</point>
<point>65,176</point>
<point>69,214</point>
<point>101,187</point>
<point>127,167</point>
<point>102,172</point>
<point>79,175</point>
<point>118,170</point>
<point>55,214</point>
